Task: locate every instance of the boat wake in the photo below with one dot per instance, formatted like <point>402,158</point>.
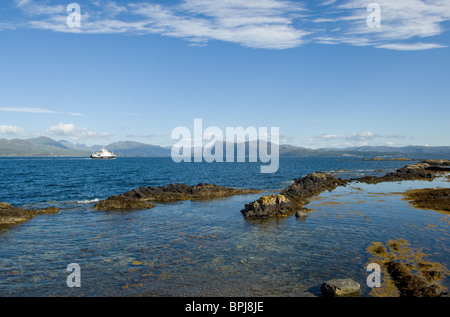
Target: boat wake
<point>89,201</point>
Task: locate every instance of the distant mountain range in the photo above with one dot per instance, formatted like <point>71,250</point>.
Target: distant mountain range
<point>47,147</point>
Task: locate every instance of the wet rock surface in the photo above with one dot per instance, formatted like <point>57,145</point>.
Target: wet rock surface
<point>10,215</point>
<point>175,192</point>
<point>121,202</point>
<point>311,185</point>
<point>275,205</point>
<point>293,197</point>
<point>425,170</point>
<point>340,288</point>
<point>140,198</point>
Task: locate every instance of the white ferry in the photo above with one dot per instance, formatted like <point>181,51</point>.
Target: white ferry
<point>103,154</point>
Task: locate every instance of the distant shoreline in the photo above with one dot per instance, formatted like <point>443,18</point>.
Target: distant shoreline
<point>390,159</point>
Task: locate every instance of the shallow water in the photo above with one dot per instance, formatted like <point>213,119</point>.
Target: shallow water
<point>202,248</point>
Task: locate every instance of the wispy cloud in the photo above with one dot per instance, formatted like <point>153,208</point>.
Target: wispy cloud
<point>264,24</point>
<point>409,21</point>
<point>411,47</point>
<point>76,114</point>
<point>37,110</point>
<point>26,110</point>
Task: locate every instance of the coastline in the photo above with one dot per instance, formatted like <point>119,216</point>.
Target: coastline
<point>428,178</point>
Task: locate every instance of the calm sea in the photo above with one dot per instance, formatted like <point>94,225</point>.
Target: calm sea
<point>199,248</point>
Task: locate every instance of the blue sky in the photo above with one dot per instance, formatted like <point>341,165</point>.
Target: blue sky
<point>135,70</point>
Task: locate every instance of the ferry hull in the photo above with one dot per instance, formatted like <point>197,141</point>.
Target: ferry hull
<point>103,158</point>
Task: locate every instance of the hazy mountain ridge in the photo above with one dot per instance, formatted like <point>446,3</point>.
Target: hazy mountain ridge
<point>47,147</point>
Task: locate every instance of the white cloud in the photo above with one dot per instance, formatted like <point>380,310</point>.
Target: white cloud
<point>11,130</point>
<point>251,23</point>
<point>73,132</point>
<point>401,20</point>
<point>361,136</point>
<point>355,139</point>
<point>26,110</point>
<point>37,8</point>
<point>264,24</point>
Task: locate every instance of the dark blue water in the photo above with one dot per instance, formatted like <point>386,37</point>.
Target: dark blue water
<point>37,180</point>
<point>198,248</point>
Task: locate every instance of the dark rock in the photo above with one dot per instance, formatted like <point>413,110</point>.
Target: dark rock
<point>425,170</point>
<point>301,213</point>
<point>311,185</point>
<point>274,205</point>
<point>139,198</point>
<point>121,202</point>
<point>10,215</point>
<point>175,192</point>
<point>293,197</point>
<point>340,288</point>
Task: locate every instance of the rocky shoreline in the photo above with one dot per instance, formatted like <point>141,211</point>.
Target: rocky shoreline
<point>293,198</point>
<point>289,201</point>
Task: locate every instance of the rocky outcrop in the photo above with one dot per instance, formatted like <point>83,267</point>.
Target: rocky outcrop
<point>311,185</point>
<point>425,170</point>
<point>10,215</point>
<point>293,197</point>
<point>121,202</point>
<point>140,198</point>
<point>176,192</point>
<point>270,206</point>
<point>340,288</point>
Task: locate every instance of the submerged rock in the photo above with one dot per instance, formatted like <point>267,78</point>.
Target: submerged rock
<point>405,271</point>
<point>10,215</point>
<point>302,213</point>
<point>340,288</point>
<point>140,198</point>
<point>408,284</point>
<point>293,197</point>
